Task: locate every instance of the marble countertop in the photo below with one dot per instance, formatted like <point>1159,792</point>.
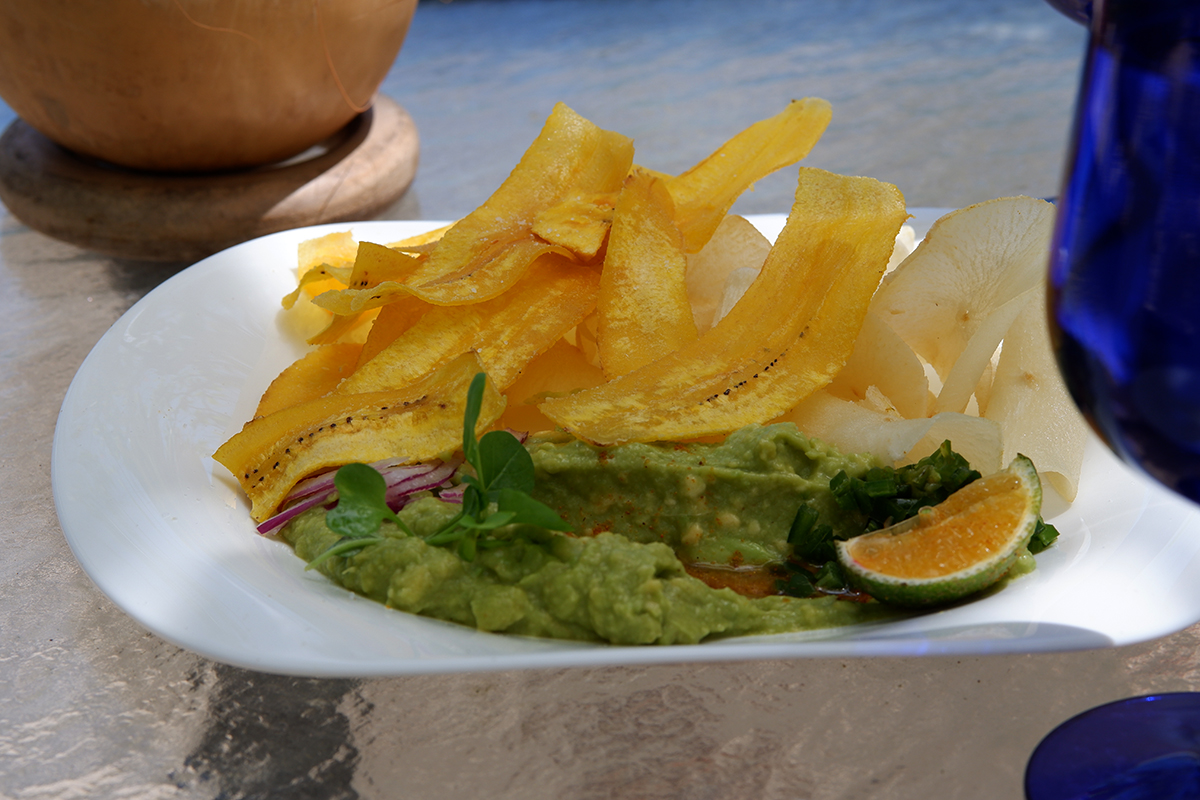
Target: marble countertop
<point>953,102</point>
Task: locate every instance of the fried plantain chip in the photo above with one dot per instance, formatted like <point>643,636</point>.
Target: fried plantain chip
<point>377,278</point>
<point>706,192</point>
<point>351,328</point>
<point>554,296</point>
<point>421,242</point>
<point>488,250</point>
<point>315,374</point>
<point>788,335</point>
<point>322,264</point>
<point>578,223</point>
<point>643,306</point>
<point>272,453</point>
<point>560,370</point>
<point>393,319</point>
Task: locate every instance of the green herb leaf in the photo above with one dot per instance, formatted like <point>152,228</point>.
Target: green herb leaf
<point>497,495</point>
<point>361,509</point>
<point>528,511</point>
<point>341,547</point>
<point>362,504</point>
<point>811,541</point>
<point>1044,535</point>
<point>830,577</point>
<point>503,463</point>
<point>471,417</point>
<point>885,496</point>
<point>798,584</point>
<point>490,522</point>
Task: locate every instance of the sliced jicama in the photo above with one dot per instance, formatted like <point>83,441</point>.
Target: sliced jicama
<point>971,263</point>
<point>882,359</point>
<point>857,428</point>
<point>1031,403</point>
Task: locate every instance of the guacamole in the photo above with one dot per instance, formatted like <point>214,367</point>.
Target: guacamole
<point>730,503</point>
<point>638,513</point>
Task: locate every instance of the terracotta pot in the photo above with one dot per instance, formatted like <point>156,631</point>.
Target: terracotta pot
<point>195,85</point>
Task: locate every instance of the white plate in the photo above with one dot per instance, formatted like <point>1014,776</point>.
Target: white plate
<point>164,531</point>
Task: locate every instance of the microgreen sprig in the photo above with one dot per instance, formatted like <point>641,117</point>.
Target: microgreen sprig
<point>498,494</point>
<point>361,509</point>
<point>495,496</point>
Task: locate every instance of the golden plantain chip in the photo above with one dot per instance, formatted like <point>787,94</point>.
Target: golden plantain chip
<point>560,370</point>
<point>554,296</point>
<point>322,264</point>
<point>643,309</point>
<point>377,278</point>
<point>315,374</point>
<point>488,250</point>
<point>421,242</point>
<point>579,223</point>
<point>706,192</point>
<point>392,320</point>
<point>422,422</point>
<point>350,328</point>
<point>788,336</point>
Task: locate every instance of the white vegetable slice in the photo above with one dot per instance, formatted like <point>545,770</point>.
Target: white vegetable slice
<point>976,357</point>
<point>1032,405</point>
<point>971,263</point>
<point>736,244</point>
<point>882,359</point>
<point>855,428</point>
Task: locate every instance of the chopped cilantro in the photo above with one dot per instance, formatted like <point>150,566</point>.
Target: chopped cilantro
<point>1043,536</point>
<point>882,497</point>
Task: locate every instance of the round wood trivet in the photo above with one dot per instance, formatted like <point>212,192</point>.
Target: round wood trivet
<point>181,217</point>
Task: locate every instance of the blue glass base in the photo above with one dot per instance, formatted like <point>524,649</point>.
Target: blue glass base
<point>1140,748</point>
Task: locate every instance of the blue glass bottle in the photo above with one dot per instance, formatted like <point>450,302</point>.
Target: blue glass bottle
<point>1125,262</point>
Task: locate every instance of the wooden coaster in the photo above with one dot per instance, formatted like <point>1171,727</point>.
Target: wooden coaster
<point>180,217</point>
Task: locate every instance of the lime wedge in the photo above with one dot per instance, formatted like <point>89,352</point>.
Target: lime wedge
<point>951,550</point>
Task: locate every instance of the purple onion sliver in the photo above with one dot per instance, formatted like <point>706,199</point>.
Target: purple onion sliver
<point>452,495</point>
<point>430,480</point>
<point>285,516</point>
<point>317,483</point>
<point>395,475</point>
<point>389,463</point>
<point>324,481</point>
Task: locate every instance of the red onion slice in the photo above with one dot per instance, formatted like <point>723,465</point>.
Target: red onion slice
<point>283,517</point>
<point>403,480</point>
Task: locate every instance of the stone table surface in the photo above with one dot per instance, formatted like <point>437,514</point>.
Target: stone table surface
<point>954,102</point>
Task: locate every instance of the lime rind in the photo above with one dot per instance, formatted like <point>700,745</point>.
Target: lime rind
<point>924,592</point>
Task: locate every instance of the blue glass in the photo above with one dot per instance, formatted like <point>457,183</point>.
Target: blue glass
<point>1125,264</point>
<point>1141,748</point>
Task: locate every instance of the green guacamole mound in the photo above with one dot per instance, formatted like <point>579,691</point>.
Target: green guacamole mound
<point>593,588</point>
<point>730,503</point>
<point>620,580</point>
